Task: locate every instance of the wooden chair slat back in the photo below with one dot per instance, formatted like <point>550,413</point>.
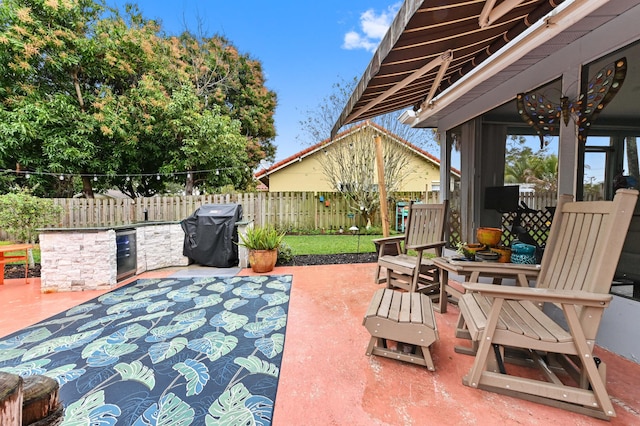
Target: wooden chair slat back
<point>426,223</point>
<point>585,242</point>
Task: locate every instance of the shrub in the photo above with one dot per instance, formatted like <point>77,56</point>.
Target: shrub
<point>285,253</point>
<point>21,214</point>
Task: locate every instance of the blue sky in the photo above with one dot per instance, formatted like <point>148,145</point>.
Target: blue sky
<point>304,46</point>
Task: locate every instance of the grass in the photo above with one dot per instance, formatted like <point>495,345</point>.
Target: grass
<point>331,244</point>
<point>36,252</point>
<point>300,244</point>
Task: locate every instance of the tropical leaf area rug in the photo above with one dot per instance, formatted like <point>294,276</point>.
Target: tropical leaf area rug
<point>201,351</point>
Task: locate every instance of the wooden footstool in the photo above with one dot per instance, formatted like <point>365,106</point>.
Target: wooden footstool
<point>405,318</point>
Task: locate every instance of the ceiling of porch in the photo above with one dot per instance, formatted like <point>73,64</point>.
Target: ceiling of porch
<point>400,76</point>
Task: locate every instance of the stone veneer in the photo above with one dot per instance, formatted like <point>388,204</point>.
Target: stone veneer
<point>159,246</point>
<point>85,259</point>
<point>77,260</point>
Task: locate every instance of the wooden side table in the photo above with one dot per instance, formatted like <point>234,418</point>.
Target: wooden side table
<point>472,271</point>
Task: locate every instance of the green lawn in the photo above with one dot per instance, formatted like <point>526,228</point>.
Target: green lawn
<point>330,244</point>
<point>302,244</point>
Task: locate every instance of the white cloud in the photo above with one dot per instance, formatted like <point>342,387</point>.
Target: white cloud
<point>373,27</point>
<point>353,40</point>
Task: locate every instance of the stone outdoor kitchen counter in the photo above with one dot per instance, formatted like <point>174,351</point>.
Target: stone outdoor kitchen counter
<point>76,259</point>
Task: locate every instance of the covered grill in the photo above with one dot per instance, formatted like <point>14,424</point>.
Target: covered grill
<point>211,235</point>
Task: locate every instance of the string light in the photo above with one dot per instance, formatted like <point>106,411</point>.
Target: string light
<point>127,176</point>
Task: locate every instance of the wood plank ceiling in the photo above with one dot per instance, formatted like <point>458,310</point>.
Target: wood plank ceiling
<point>432,44</point>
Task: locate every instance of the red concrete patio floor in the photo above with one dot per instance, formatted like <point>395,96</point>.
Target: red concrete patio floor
<point>326,378</point>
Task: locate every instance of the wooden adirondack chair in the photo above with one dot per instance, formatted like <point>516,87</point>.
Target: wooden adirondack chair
<point>577,269</point>
<point>424,231</point>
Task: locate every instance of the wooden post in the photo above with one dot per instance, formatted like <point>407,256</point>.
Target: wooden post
<point>41,401</point>
<point>384,208</point>
<point>10,399</point>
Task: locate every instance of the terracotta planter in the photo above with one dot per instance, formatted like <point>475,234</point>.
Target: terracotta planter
<point>263,260</point>
<point>504,252</point>
<point>490,237</point>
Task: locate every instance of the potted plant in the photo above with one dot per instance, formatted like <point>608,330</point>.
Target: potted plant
<point>469,250</point>
<point>262,243</point>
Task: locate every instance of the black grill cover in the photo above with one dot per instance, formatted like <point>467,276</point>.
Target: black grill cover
<point>211,235</point>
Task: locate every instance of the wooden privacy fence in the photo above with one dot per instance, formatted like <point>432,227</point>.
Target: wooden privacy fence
<point>301,211</point>
<point>286,210</point>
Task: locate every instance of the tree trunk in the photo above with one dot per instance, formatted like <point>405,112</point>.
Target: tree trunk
<point>188,187</point>
<point>87,189</point>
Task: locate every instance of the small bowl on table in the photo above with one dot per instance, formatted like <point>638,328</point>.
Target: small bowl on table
<point>487,256</point>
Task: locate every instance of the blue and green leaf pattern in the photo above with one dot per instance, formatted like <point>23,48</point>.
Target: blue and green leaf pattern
<point>178,351</point>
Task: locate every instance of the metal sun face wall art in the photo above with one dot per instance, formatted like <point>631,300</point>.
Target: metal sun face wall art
<point>544,114</point>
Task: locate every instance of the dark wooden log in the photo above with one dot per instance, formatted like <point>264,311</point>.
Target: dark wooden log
<point>41,403</point>
<point>10,399</point>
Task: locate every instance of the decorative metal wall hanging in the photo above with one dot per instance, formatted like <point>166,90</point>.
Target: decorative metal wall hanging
<point>544,115</point>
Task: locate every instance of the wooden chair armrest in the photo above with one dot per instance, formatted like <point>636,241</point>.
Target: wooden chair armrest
<point>502,268</point>
<point>547,295</point>
<point>387,240</point>
<point>422,247</point>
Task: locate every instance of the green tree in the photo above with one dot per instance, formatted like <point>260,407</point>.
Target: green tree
<point>89,91</point>
<point>209,140</point>
<point>545,174</point>
<point>40,42</point>
<point>65,68</point>
<point>523,165</point>
<point>235,83</point>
